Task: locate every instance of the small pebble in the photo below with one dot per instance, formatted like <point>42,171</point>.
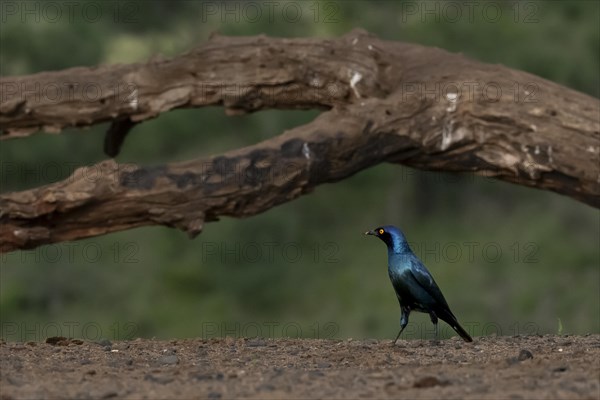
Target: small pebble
<point>170,360</point>
<point>525,354</point>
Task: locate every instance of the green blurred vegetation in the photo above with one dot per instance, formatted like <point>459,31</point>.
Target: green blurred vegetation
<point>154,282</point>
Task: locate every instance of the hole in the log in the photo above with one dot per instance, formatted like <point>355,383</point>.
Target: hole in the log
<point>29,163</point>
<point>552,112</point>
<point>189,134</point>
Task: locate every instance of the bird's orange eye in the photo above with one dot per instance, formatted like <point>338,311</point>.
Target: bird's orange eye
<point>381,231</point>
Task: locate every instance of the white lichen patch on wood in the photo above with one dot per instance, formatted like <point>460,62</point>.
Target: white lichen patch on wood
<point>132,99</point>
<point>306,151</point>
<point>537,111</point>
<point>356,77</point>
<point>453,99</point>
<point>170,99</point>
<point>447,135</point>
<point>316,82</point>
<point>499,157</point>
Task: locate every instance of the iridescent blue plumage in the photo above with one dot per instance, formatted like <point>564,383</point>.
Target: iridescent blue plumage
<point>415,288</point>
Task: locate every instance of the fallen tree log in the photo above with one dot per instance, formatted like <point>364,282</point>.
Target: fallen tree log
<point>385,102</point>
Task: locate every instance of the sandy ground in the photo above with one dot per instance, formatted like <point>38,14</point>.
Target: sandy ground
<point>521,367</point>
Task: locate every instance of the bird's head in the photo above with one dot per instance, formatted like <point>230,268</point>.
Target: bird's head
<point>392,237</point>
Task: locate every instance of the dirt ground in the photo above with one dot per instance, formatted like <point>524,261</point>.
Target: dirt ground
<point>521,367</point>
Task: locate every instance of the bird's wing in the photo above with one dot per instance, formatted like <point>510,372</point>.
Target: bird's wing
<point>425,280</point>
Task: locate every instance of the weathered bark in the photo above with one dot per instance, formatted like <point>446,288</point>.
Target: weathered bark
<point>389,101</point>
<point>242,74</point>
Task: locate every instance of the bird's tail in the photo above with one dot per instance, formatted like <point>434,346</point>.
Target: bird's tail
<point>451,320</point>
<point>463,334</point>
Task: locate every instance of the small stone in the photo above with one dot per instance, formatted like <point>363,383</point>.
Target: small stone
<point>163,380</point>
<point>104,342</point>
<point>55,340</point>
<point>17,381</point>
<point>170,360</point>
<point>315,374</point>
<point>256,343</point>
<point>430,381</point>
<point>525,354</point>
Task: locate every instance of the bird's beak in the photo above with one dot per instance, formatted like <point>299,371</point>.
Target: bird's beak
<point>370,233</point>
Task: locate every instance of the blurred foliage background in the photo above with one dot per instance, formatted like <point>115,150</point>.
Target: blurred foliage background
<point>510,260</point>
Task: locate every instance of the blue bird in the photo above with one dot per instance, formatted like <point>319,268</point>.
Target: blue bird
<point>415,288</point>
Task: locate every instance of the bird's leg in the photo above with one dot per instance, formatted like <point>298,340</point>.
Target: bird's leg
<point>403,322</point>
<point>434,320</point>
<point>398,336</point>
